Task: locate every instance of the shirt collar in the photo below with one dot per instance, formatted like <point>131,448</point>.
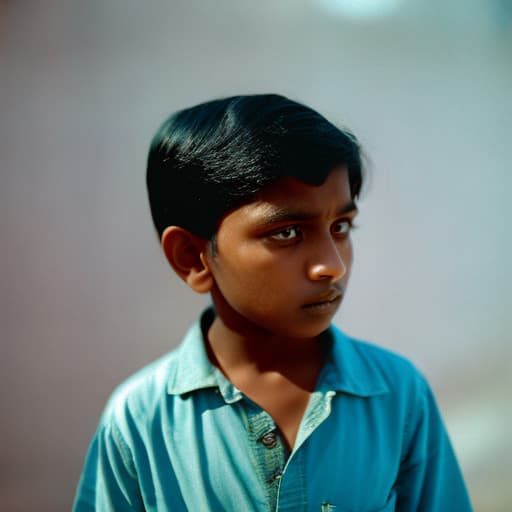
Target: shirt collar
<point>193,370</point>
<point>348,368</point>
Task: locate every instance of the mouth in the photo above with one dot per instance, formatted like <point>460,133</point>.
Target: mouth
<point>325,303</point>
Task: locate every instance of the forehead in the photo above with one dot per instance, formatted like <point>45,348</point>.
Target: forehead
<point>289,200</point>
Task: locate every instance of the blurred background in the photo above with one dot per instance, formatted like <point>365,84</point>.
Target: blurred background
<point>86,295</point>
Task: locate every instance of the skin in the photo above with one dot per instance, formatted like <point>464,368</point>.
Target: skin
<point>278,276</point>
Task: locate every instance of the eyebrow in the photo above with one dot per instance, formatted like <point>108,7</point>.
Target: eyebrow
<point>278,215</point>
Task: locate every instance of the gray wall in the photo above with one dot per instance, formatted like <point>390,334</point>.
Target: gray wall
<point>86,296</point>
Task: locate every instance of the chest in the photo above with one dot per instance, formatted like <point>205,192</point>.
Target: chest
<point>342,445</point>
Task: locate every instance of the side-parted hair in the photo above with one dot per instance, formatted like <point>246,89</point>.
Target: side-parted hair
<point>211,158</point>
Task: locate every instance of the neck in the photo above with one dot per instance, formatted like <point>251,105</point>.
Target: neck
<point>232,348</point>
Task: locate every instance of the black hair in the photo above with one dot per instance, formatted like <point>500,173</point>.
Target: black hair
<point>211,158</point>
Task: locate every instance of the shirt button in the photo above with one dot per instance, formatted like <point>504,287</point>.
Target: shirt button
<point>274,478</point>
<point>268,440</point>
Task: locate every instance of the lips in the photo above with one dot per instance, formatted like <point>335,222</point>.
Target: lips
<point>330,298</point>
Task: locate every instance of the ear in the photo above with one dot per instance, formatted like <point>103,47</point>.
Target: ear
<point>186,254</point>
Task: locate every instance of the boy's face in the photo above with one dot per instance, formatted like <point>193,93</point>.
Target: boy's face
<point>283,261</point>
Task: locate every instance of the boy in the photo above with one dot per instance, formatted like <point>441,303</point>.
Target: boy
<point>265,405</point>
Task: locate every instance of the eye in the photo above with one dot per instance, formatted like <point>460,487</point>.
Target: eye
<point>286,234</point>
<point>342,227</point>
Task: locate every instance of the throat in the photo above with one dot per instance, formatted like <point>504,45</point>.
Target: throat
<point>282,390</point>
<point>277,374</point>
<point>232,350</point>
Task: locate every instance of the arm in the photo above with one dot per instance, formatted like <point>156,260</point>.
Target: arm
<point>429,479</point>
<point>108,481</point>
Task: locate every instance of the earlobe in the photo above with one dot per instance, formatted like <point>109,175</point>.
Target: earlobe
<point>185,252</point>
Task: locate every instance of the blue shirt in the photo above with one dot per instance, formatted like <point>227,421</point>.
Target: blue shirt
<point>179,436</point>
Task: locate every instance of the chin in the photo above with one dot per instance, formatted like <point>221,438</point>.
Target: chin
<point>310,330</point>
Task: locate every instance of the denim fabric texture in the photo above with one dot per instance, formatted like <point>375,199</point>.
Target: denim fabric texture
<point>178,436</point>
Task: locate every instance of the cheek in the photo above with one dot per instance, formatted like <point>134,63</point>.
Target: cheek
<point>255,279</point>
<point>265,281</point>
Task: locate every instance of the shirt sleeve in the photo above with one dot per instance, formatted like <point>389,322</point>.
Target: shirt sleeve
<point>108,481</point>
<point>429,478</point>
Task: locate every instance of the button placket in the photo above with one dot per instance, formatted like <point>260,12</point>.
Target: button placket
<point>267,449</point>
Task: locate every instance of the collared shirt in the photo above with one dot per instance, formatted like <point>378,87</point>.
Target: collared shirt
<point>179,436</point>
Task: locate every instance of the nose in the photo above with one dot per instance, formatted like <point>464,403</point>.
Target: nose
<point>327,262</point>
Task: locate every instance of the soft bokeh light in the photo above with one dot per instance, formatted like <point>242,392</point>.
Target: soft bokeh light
<point>361,9</point>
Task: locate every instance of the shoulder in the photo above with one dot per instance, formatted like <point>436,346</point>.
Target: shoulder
<point>140,395</point>
<point>371,369</point>
<point>140,398</point>
<point>399,391</point>
<point>388,362</point>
